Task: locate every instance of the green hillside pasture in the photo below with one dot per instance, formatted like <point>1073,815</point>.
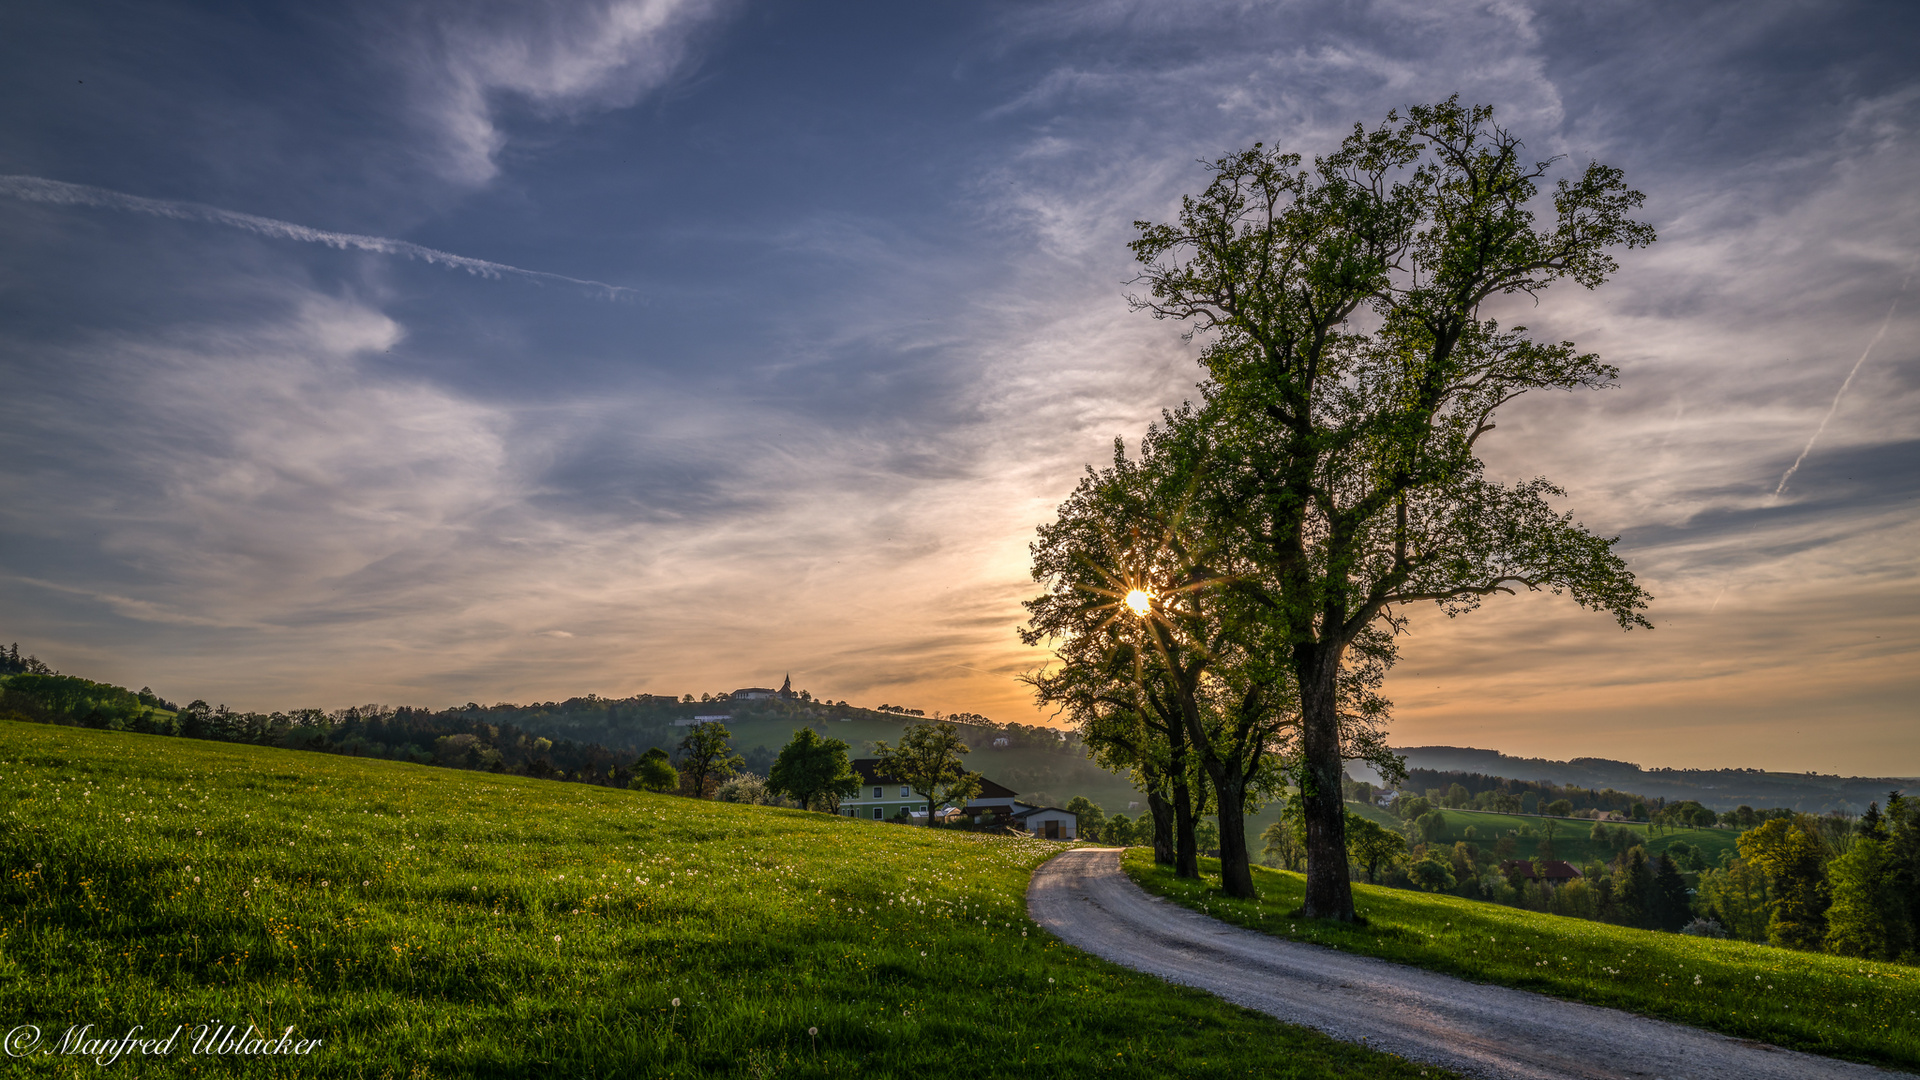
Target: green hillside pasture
<point>1809,1001</point>
<point>1572,840</point>
<point>427,922</point>
<point>1027,770</point>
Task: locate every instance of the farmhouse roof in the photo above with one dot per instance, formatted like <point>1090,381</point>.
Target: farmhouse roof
<point>869,770</point>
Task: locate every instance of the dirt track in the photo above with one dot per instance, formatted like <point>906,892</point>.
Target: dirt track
<point>1085,899</point>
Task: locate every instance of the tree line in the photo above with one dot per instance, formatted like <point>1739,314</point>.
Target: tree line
<point>1224,600</point>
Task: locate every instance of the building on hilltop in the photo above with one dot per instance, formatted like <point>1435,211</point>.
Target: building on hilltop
<point>754,693</point>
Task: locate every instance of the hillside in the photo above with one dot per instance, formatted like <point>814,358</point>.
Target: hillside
<point>1717,789</point>
<point>431,922</point>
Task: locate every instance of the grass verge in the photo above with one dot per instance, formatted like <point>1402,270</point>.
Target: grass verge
<point>426,922</point>
<point>1822,1004</point>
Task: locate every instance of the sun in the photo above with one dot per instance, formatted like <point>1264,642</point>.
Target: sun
<point>1140,600</point>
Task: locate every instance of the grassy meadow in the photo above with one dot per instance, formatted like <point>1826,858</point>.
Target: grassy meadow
<point>1571,839</point>
<point>1823,1004</point>
<point>426,922</point>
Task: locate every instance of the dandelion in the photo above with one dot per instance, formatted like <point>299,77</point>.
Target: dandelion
<point>676,1003</point>
<point>813,1031</point>
<point>366,883</point>
<point>196,880</point>
<point>556,939</point>
<point>323,883</point>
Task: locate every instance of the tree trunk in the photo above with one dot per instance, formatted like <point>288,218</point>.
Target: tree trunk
<point>1236,869</point>
<point>1162,828</point>
<point>1329,886</point>
<point>1186,862</point>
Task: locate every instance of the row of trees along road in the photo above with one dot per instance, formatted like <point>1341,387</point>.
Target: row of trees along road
<point>1224,605</point>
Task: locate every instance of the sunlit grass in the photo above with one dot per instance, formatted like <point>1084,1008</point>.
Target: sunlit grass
<point>1823,1004</point>
<point>428,922</point>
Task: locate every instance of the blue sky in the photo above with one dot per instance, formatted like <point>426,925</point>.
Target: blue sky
<point>867,322</point>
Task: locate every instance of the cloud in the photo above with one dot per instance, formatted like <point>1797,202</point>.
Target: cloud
<point>562,59</point>
<point>40,190</point>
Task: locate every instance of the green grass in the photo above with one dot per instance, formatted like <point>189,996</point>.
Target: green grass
<point>1572,839</point>
<point>1823,1004</point>
<point>428,922</point>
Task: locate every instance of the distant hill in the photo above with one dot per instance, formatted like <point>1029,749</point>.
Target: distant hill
<point>1718,789</point>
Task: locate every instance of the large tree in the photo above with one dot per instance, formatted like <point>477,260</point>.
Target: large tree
<point>813,771</point>
<point>1353,374</point>
<point>927,759</point>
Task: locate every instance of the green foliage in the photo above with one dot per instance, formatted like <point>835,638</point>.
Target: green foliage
<point>1793,856</point>
<point>1432,873</point>
<point>1282,846</point>
<point>1369,845</point>
<point>1091,819</point>
<point>1868,917</point>
<point>813,771</point>
<point>654,773</point>
<point>1829,1005</point>
<point>436,923</point>
<point>81,700</point>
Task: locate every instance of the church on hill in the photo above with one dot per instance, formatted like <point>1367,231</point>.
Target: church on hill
<point>761,693</point>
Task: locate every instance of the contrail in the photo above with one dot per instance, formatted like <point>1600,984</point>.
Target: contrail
<point>38,189</point>
<point>1835,407</point>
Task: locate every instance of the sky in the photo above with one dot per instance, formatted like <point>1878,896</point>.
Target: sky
<point>425,353</point>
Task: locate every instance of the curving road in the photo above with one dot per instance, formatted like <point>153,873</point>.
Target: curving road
<point>1086,900</point>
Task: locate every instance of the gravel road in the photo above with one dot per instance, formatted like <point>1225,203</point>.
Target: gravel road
<point>1085,899</point>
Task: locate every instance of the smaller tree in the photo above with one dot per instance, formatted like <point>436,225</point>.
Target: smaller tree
<point>1369,845</point>
<point>1089,815</point>
<point>707,757</point>
<point>1432,873</point>
<point>927,760</point>
<point>1793,856</point>
<point>1560,808</point>
<point>1284,848</point>
<point>653,773</point>
<point>1119,830</point>
<point>1206,837</point>
<point>1869,913</point>
<point>1667,902</point>
<point>813,771</point>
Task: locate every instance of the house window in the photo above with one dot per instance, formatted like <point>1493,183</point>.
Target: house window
<point>878,813</point>
<point>905,791</point>
<point>877,793</point>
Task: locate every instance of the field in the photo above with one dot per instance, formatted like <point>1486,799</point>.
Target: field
<point>426,922</point>
<point>1057,775</point>
<point>1822,1004</point>
<point>1571,839</point>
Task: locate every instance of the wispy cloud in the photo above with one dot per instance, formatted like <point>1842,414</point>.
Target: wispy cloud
<point>56,192</point>
<point>563,58</point>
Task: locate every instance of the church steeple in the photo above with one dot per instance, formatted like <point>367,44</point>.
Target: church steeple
<point>786,687</point>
